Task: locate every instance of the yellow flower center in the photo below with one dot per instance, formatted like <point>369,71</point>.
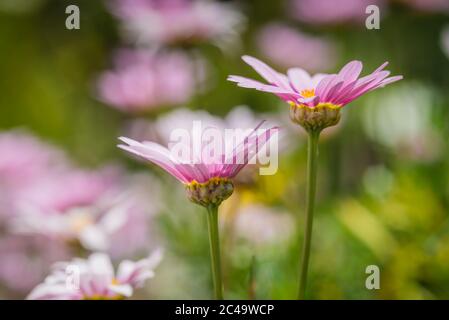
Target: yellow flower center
<point>101,297</point>
<point>211,181</point>
<point>114,282</point>
<point>80,222</point>
<point>321,105</point>
<point>307,93</point>
<point>315,118</point>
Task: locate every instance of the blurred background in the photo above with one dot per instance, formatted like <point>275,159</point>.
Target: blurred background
<point>141,68</point>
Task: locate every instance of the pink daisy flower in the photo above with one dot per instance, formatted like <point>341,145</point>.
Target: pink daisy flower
<point>315,104</point>
<point>299,87</point>
<point>206,171</point>
<point>207,177</point>
<point>95,279</point>
<point>321,92</point>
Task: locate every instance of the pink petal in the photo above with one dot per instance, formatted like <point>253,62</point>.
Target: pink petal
<point>269,74</point>
<point>154,153</point>
<point>299,79</point>
<point>332,93</point>
<point>382,66</point>
<point>390,80</point>
<point>284,94</point>
<point>253,148</point>
<point>344,91</point>
<point>325,85</point>
<point>253,84</point>
<point>351,71</point>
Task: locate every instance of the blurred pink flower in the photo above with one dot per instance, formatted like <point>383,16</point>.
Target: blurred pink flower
<point>43,194</point>
<point>157,22</point>
<point>95,278</point>
<point>109,218</point>
<point>23,158</point>
<point>207,165</point>
<point>143,80</point>
<point>141,196</point>
<point>48,204</point>
<point>288,47</point>
<point>61,190</point>
<point>26,259</point>
<point>330,90</point>
<point>36,174</point>
<point>332,12</point>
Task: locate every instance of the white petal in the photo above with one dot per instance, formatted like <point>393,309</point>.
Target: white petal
<point>94,238</point>
<point>52,292</point>
<point>122,289</point>
<point>100,264</point>
<point>115,218</point>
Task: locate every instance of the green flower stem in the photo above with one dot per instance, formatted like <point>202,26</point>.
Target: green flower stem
<point>214,242</point>
<point>312,157</point>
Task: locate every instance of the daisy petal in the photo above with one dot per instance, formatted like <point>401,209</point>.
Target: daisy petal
<point>268,73</point>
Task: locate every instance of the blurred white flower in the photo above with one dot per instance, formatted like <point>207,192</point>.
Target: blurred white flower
<point>240,117</point>
<point>44,195</point>
<point>117,222</point>
<point>401,120</point>
<point>261,225</point>
<point>95,278</point>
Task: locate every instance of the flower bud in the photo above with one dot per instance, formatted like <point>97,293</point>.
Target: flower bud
<point>315,118</point>
<point>212,192</point>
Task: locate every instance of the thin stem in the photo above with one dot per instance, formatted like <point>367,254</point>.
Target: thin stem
<point>214,242</point>
<point>312,157</point>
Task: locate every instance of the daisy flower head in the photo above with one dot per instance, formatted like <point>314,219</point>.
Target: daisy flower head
<point>316,100</point>
<point>95,279</point>
<point>207,165</point>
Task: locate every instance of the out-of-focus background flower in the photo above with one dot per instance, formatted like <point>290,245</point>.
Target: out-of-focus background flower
<point>141,68</point>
